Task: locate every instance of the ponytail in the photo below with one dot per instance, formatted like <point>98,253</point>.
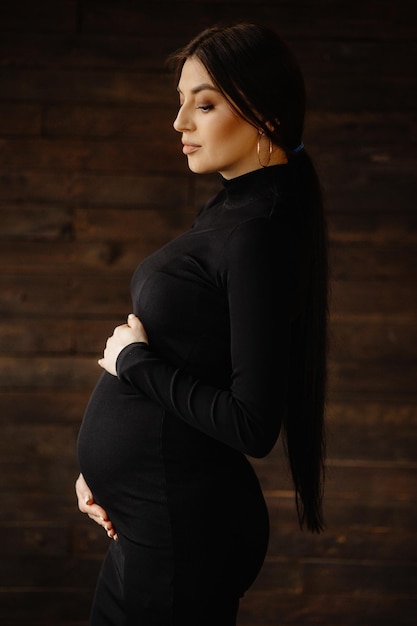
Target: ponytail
<point>304,430</point>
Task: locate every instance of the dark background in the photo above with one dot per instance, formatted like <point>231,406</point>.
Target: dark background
<point>92,179</point>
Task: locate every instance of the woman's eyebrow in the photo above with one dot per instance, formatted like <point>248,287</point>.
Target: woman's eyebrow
<point>201,87</point>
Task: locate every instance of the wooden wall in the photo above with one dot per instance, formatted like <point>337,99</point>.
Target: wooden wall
<point>92,180</point>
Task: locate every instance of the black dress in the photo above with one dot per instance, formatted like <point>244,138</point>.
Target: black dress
<point>163,446</point>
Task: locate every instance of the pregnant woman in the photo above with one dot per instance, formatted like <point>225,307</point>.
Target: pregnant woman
<point>226,347</point>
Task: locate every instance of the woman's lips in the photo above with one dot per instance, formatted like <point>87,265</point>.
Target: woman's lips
<point>189,148</point>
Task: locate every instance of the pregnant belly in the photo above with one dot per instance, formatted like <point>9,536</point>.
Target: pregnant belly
<point>119,445</point>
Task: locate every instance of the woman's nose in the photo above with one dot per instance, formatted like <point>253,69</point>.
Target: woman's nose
<point>182,121</point>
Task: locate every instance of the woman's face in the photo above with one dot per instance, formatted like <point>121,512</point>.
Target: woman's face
<point>215,137</point>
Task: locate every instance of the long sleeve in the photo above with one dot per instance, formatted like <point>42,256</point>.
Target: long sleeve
<point>253,269</point>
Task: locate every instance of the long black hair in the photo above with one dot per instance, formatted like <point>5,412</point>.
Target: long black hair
<point>261,79</point>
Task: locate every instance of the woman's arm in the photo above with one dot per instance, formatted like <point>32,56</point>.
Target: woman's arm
<point>248,415</point>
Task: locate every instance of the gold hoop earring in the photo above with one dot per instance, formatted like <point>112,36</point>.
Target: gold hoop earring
<point>258,149</point>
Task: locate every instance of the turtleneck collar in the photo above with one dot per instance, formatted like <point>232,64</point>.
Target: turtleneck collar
<point>255,183</point>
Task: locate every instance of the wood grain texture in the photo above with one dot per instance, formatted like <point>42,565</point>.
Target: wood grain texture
<point>92,181</point>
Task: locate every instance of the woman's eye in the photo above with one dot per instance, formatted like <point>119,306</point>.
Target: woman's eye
<point>205,107</point>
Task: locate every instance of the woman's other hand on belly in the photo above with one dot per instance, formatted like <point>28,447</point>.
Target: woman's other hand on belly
<point>95,512</point>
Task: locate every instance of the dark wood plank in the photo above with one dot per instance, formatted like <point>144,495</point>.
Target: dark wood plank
<point>348,188</point>
<point>77,295</point>
<point>94,189</point>
<point>344,515</point>
<point>363,75</point>
<point>396,375</point>
<point>35,221</point>
<point>351,261</point>
<point>40,336</point>
<point>42,372</point>
<point>46,474</point>
<point>364,577</point>
<point>46,336</point>
<point>369,133</point>
<point>344,609</point>
<point>48,571</point>
<point>110,122</point>
<point>117,155</point>
<point>385,544</point>
<point>48,222</point>
<point>296,20</point>
<point>69,257</point>
<point>359,480</point>
<point>20,119</point>
<point>387,429</point>
<point>45,16</point>
<point>353,577</point>
<point>83,50</point>
<point>373,228</point>
<point>361,530</point>
<point>375,299</point>
<point>44,606</point>
<point>367,337</point>
<point>43,441</point>
<point>42,405</point>
<point>30,506</point>
<point>147,226</point>
<point>31,540</point>
<point>90,86</point>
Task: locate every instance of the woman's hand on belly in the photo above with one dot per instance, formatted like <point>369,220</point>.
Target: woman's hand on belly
<point>95,512</point>
<point>123,335</point>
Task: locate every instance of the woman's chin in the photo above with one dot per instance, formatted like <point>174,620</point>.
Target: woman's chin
<point>198,168</point>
